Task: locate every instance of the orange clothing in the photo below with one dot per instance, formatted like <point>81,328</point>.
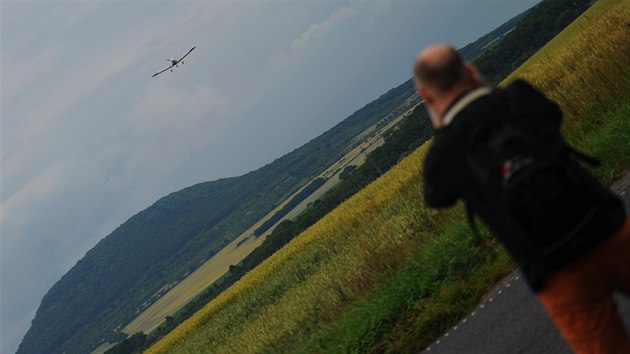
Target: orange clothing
<point>579,297</point>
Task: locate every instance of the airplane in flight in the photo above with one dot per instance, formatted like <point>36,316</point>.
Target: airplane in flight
<point>174,62</point>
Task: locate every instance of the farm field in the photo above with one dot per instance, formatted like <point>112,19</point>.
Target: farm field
<point>244,244</point>
<point>193,284</point>
<point>382,273</point>
<point>354,157</point>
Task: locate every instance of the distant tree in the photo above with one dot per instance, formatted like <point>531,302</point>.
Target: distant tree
<point>564,19</point>
<point>134,344</point>
<point>233,269</point>
<point>346,171</point>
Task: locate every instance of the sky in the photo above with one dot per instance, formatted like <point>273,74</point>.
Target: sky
<point>88,138</point>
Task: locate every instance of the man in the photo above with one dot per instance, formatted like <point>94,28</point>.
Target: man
<point>574,282</point>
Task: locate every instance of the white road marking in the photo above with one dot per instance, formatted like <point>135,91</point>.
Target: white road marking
<point>474,313</point>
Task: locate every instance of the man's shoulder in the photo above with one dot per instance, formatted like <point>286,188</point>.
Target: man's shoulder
<point>481,111</point>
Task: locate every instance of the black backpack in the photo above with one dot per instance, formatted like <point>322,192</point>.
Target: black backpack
<point>535,183</point>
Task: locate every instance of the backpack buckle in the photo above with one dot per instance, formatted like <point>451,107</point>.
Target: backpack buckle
<point>513,165</point>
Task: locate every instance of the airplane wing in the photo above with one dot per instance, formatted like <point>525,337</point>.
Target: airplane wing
<point>180,59</point>
<point>176,62</point>
<point>161,71</point>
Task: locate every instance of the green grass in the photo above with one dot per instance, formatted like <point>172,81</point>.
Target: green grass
<point>438,285</point>
<point>611,143</point>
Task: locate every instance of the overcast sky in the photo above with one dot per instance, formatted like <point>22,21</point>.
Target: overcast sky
<point>89,138</point>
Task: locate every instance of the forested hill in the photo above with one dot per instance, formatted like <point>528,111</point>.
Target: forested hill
<point>166,241</point>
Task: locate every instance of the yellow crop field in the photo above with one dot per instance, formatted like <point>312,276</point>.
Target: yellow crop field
<point>352,251</point>
<point>585,65</point>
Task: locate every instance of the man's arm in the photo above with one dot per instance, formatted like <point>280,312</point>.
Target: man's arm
<point>443,178</point>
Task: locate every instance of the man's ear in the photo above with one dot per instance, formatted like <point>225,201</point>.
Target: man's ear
<point>473,73</point>
<point>426,95</point>
<point>428,103</point>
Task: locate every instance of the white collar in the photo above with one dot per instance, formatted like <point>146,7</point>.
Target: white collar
<point>463,102</point>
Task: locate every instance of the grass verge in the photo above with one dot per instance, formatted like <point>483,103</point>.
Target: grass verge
<point>438,285</point>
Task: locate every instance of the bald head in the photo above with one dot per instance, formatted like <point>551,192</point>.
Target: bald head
<point>439,67</point>
<point>442,75</point>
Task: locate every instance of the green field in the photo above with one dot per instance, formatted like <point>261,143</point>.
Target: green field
<point>382,273</point>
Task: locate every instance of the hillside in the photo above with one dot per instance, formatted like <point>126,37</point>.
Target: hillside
<point>382,273</point>
<point>162,244</point>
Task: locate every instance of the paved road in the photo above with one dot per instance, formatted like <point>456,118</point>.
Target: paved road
<point>511,321</point>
